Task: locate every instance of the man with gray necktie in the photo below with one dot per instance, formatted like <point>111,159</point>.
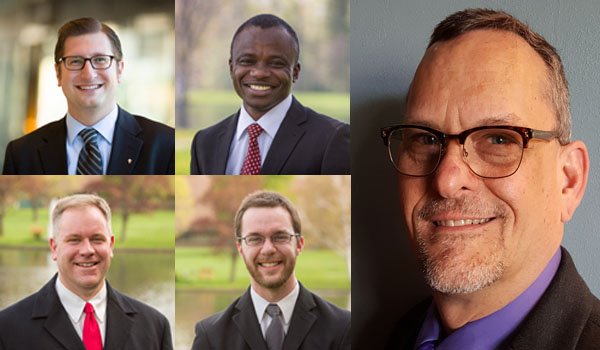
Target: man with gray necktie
<point>276,312</point>
<point>96,136</point>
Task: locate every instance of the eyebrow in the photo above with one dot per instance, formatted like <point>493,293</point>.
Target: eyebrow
<point>505,119</point>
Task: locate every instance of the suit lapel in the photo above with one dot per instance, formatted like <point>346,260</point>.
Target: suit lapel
<point>247,324</point>
<point>302,320</point>
<point>48,306</point>
<point>53,150</point>
<point>118,320</point>
<point>223,145</point>
<point>288,135</point>
<point>126,145</point>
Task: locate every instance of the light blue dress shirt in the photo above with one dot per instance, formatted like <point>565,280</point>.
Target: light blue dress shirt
<point>106,130</point>
<point>270,123</point>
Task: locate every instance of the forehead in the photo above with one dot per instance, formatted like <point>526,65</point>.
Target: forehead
<point>82,218</point>
<point>266,219</point>
<point>480,75</point>
<point>87,44</point>
<point>252,39</point>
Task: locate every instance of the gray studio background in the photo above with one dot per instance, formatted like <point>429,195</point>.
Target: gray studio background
<point>388,39</point>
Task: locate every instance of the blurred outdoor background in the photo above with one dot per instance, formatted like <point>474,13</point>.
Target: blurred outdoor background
<point>210,274</point>
<point>29,95</point>
<point>142,222</point>
<point>204,29</point>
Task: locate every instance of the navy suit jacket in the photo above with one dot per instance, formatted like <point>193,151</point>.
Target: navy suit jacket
<point>149,145</point>
<point>307,143</point>
<point>315,324</point>
<point>40,322</point>
<point>567,316</point>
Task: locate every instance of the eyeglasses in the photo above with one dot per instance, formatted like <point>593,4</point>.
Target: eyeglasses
<point>489,151</point>
<point>77,62</point>
<point>256,240</point>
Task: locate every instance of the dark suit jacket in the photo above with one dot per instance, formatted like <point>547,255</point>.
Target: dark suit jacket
<point>149,145</point>
<point>315,324</point>
<point>566,317</point>
<point>40,322</point>
<point>307,143</point>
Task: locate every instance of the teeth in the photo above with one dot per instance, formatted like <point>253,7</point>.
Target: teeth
<point>259,87</point>
<point>86,264</point>
<point>89,87</point>
<point>269,264</point>
<point>454,223</point>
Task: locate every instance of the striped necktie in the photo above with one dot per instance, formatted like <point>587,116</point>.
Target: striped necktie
<point>90,160</point>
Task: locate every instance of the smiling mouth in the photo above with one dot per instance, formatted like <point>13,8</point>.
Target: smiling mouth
<point>86,264</point>
<point>462,222</point>
<point>258,87</point>
<point>89,87</point>
<point>269,264</point>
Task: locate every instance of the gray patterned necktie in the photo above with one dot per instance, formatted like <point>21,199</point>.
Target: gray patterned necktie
<point>90,160</point>
<point>275,334</point>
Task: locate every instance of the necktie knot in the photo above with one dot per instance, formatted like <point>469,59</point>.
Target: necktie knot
<point>254,130</point>
<point>273,310</point>
<point>88,308</point>
<point>88,134</point>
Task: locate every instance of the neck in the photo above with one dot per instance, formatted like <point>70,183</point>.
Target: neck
<point>85,294</point>
<point>273,295</point>
<point>90,116</point>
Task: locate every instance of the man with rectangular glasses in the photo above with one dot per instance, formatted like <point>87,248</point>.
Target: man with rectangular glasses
<point>276,312</point>
<point>96,136</point>
<point>488,178</point>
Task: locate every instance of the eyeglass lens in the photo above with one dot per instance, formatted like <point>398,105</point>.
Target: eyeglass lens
<point>98,62</point>
<point>489,152</point>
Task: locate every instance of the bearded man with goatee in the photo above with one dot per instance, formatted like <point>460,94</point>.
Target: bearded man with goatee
<point>488,178</point>
<point>276,312</point>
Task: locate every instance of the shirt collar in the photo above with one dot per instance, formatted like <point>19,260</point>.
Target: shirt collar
<point>286,304</point>
<point>489,332</point>
<point>105,126</point>
<point>74,305</point>
<point>270,121</point>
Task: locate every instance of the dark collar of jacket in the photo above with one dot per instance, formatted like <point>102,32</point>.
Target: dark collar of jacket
<point>118,310</point>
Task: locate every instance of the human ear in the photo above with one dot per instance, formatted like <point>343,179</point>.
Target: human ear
<point>296,72</point>
<point>574,168</point>
<point>120,66</point>
<point>57,69</point>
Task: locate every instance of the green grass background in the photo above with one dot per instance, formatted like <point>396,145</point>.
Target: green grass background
<point>205,268</point>
<point>144,231</point>
<point>209,107</point>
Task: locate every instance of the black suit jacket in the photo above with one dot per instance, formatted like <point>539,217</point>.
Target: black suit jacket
<point>315,324</point>
<point>306,143</point>
<point>149,145</point>
<point>40,322</point>
<point>566,317</point>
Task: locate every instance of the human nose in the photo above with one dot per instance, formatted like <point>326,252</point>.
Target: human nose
<point>86,247</point>
<point>268,245</point>
<point>453,175</point>
<point>87,70</point>
<point>259,71</point>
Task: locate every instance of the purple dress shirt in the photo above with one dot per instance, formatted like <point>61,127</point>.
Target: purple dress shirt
<point>488,332</point>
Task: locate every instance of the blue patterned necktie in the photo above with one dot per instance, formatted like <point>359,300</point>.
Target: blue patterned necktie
<point>90,160</point>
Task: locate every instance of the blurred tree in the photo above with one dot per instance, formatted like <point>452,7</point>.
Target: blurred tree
<point>225,196</point>
<point>134,194</point>
<point>325,205</point>
<point>37,191</point>
<point>9,188</point>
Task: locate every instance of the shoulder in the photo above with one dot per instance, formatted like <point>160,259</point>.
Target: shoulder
<point>317,119</point>
<point>330,310</point>
<point>218,321</point>
<point>220,127</point>
<point>134,307</point>
<point>20,310</point>
<point>149,127</point>
<point>48,131</point>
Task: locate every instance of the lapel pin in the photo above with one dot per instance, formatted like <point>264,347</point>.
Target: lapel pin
<point>129,161</point>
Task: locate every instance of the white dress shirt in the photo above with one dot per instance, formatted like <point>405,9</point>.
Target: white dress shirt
<point>270,123</point>
<point>74,306</point>
<point>286,305</point>
<point>106,130</point>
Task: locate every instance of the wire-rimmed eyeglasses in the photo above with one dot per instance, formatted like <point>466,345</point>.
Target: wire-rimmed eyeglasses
<point>489,151</point>
<point>100,62</point>
<point>256,240</point>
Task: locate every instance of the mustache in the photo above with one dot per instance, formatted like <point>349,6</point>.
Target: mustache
<point>467,206</point>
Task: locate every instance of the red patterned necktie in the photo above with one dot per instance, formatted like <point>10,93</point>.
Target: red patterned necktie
<point>91,332</point>
<point>251,164</point>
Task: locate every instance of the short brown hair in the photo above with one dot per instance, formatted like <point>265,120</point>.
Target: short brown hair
<point>266,199</point>
<point>557,92</point>
<point>86,25</point>
<point>78,201</point>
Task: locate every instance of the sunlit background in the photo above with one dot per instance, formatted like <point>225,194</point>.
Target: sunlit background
<point>204,92</point>
<point>29,95</point>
